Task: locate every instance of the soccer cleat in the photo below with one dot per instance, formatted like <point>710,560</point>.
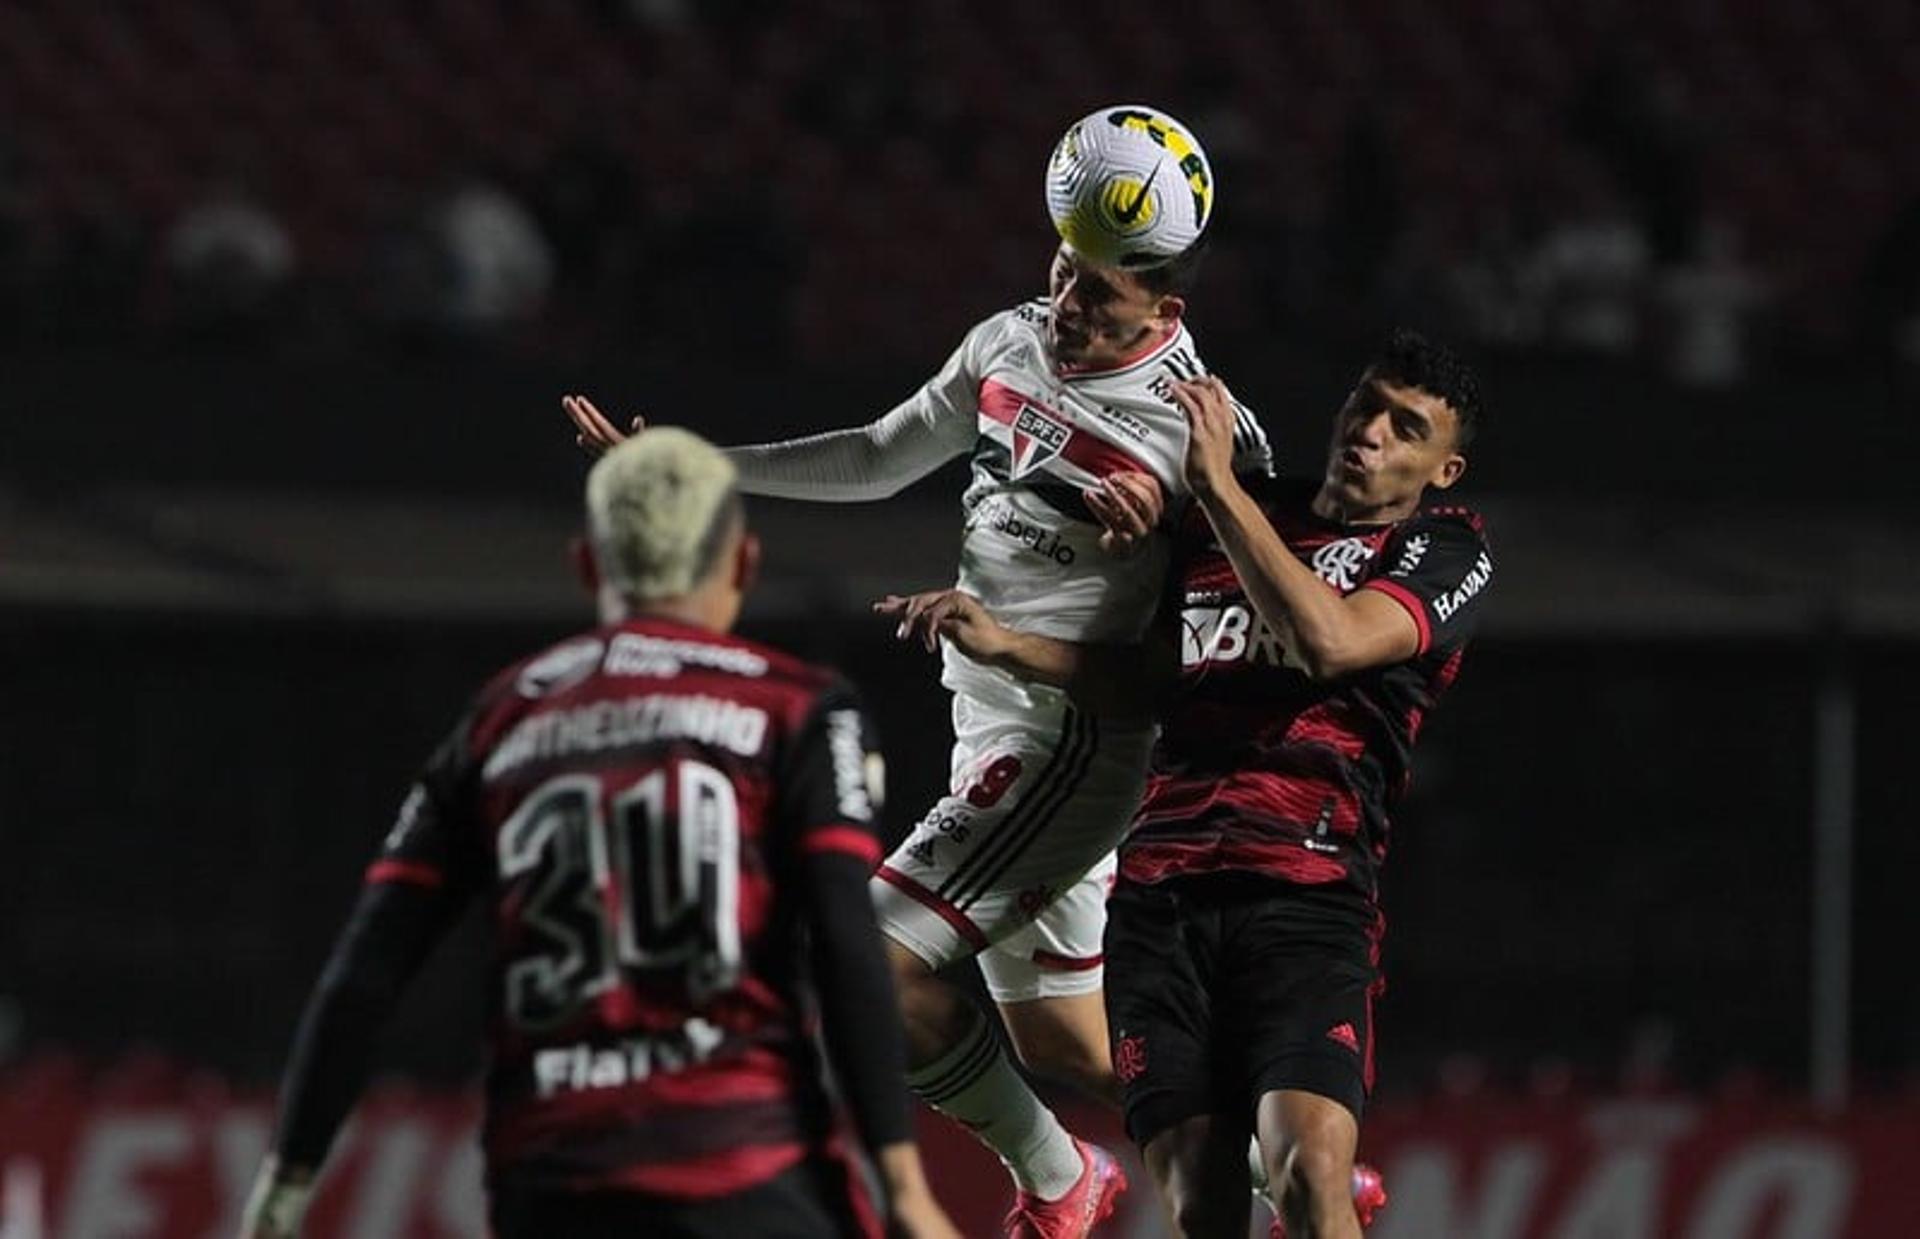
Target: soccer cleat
<point>1073,1216</point>
<point>1369,1193</point>
<point>1369,1197</point>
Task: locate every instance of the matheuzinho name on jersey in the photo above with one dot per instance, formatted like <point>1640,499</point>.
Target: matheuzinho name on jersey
<point>628,722</point>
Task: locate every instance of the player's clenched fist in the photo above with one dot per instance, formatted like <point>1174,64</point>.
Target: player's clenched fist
<point>949,613</point>
<point>592,429</point>
<point>1209,409</point>
<point>1129,506</point>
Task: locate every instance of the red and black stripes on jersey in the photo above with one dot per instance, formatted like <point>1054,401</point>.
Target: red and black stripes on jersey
<point>637,806</point>
<point>1261,768</point>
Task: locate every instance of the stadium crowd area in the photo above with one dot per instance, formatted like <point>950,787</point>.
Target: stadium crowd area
<point>1708,185</point>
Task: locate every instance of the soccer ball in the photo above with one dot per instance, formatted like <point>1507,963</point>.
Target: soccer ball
<point>1128,186</point>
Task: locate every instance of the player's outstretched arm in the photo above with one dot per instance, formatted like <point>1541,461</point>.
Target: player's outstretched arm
<point>874,461</point>
<point>391,930</point>
<point>1332,635</point>
<point>1109,680</point>
<point>859,463</point>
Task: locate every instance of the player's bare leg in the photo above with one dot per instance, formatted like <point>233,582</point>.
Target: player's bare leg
<point>1064,1037</point>
<point>1308,1143</point>
<point>955,1064</point>
<point>1200,1167</point>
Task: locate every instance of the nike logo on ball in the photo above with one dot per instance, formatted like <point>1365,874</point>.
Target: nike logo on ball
<point>1128,213</point>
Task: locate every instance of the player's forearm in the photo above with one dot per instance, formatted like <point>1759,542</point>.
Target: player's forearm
<point>1043,660</point>
<point>902,1174</point>
<point>391,929</point>
<point>849,967</point>
<point>847,466</point>
<point>1288,595</point>
<point>840,466</point>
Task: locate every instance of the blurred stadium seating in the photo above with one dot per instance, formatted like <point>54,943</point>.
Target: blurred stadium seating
<point>1780,119</point>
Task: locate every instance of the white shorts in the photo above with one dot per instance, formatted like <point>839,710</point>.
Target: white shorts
<point>1013,864</point>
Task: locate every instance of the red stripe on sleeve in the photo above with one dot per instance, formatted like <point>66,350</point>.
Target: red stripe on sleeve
<point>849,839</point>
<point>1411,601</point>
<point>404,871</point>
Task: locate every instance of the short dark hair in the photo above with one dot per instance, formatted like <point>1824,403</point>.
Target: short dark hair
<point>1177,275</point>
<point>1409,358</point>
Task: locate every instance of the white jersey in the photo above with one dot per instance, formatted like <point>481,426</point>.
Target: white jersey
<point>1040,435</point>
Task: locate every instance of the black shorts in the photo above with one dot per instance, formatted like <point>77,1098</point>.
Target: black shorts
<point>817,1199</point>
<point>1223,988</point>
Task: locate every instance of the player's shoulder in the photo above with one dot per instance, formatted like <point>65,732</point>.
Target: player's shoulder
<point>1029,316</point>
<point>1022,324</point>
<point>546,671</point>
<point>1446,538</point>
<point>1452,516</point>
<point>648,647</point>
<point>521,686</point>
<point>758,659</point>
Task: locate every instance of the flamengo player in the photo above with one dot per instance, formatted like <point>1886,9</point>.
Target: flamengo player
<point>672,829</point>
<point>1053,399</point>
<point>1319,622</point>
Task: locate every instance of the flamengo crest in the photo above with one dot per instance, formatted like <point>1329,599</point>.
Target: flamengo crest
<point>1037,439</point>
<point>1341,563</point>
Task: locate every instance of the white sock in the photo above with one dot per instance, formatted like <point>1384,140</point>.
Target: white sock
<point>976,1086</point>
<point>1256,1166</point>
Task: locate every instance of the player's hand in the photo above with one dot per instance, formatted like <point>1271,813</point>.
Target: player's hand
<point>1129,506</point>
<point>950,613</point>
<point>1209,409</point>
<point>912,1210</point>
<point>593,431</point>
<point>917,1215</point>
<point>278,1201</point>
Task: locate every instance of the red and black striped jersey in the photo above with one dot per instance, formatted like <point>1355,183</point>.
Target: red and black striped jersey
<point>631,805</point>
<point>1262,769</point>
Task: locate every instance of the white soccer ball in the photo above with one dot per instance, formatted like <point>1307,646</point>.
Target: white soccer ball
<point>1128,186</point>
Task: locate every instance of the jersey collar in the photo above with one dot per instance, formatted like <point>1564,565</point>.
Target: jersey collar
<point>1139,357</point>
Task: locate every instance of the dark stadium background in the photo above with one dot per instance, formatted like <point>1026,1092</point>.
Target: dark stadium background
<point>289,292</point>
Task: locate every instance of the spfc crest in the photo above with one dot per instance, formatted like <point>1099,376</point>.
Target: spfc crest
<point>1037,438</point>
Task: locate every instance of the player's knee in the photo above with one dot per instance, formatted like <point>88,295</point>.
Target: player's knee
<point>1313,1175</point>
<point>934,1015</point>
<point>1056,1052</point>
<point>1061,1052</point>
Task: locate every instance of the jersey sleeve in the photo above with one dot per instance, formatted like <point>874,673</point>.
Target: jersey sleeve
<point>427,868</point>
<point>1252,451</point>
<point>877,460</point>
<point>832,783</point>
<point>433,843</point>
<point>1438,566</point>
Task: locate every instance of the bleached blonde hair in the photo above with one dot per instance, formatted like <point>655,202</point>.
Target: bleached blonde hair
<point>659,509</point>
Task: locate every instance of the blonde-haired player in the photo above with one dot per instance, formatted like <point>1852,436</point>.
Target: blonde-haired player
<point>671,830</point>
